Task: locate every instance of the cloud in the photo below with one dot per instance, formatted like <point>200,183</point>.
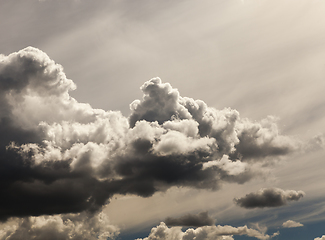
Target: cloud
<point>320,238</point>
<point>260,140</point>
<point>162,232</point>
<point>191,220</point>
<point>268,197</point>
<point>51,147</point>
<point>315,143</point>
<point>291,224</point>
<point>239,138</point>
<point>60,227</point>
<point>59,156</point>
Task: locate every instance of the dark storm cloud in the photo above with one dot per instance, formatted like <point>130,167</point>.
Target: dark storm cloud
<point>269,197</point>
<point>61,156</point>
<point>191,220</point>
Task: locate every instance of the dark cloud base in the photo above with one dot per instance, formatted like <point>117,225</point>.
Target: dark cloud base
<point>191,220</point>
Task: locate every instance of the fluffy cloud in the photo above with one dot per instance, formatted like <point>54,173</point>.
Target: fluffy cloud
<point>320,238</point>
<point>60,156</point>
<point>162,232</point>
<point>260,140</point>
<point>291,224</point>
<point>59,227</point>
<point>191,220</point>
<point>239,138</point>
<point>269,197</point>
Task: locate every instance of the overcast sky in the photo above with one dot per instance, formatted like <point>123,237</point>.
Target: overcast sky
<point>162,119</point>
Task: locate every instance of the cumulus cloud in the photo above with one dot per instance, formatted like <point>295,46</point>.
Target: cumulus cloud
<point>291,224</point>
<point>268,197</point>
<point>239,138</point>
<point>79,226</point>
<point>191,220</point>
<point>60,156</point>
<point>320,238</point>
<point>162,232</point>
<point>260,140</point>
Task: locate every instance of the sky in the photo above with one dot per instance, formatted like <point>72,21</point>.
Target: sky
<point>162,120</point>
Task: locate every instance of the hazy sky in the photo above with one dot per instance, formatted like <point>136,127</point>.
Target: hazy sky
<point>164,120</point>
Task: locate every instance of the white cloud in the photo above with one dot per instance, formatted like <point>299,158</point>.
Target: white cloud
<point>162,232</point>
<point>320,238</point>
<point>231,167</point>
<point>291,224</point>
<point>79,226</point>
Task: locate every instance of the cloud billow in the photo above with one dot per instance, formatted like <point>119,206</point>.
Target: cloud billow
<point>320,238</point>
<point>60,227</point>
<point>59,156</point>
<point>215,232</point>
<point>268,197</point>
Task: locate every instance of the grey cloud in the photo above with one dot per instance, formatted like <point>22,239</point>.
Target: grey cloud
<point>268,197</point>
<point>291,224</point>
<point>260,140</point>
<point>218,232</point>
<point>191,220</point>
<point>61,156</point>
